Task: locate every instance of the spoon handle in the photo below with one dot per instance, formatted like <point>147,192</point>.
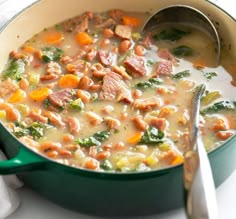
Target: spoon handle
<point>200,196</point>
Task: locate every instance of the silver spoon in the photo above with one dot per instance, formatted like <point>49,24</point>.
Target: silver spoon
<point>187,15</point>
<point>200,196</point>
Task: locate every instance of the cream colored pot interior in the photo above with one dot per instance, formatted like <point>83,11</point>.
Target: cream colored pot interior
<point>45,13</point>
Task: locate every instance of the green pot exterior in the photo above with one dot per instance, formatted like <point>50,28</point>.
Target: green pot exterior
<point>109,194</point>
<point>105,194</point>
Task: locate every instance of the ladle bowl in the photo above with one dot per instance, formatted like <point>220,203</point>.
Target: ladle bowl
<point>186,15</point>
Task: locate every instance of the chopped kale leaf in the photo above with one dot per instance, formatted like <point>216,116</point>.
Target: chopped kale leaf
<point>77,104</point>
<point>15,69</point>
<point>106,165</point>
<point>152,82</point>
<point>182,51</point>
<point>152,136</point>
<point>216,107</point>
<point>172,34</point>
<point>181,74</point>
<point>36,130</point>
<point>51,54</point>
<point>209,75</point>
<point>102,136</point>
<point>88,142</point>
<point>94,140</point>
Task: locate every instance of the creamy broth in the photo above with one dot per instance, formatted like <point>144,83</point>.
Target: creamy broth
<point>94,93</point>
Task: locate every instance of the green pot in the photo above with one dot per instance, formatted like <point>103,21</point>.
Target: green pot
<point>106,194</point>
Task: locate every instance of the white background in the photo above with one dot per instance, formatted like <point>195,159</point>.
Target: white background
<point>36,207</point>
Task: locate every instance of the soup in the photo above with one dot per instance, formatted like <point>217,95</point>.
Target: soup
<point>93,92</point>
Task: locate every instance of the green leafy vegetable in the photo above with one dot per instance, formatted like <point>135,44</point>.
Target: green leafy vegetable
<point>152,82</point>
<point>94,140</point>
<point>15,69</point>
<point>181,74</point>
<point>36,130</point>
<point>51,54</point>
<point>172,34</point>
<point>209,75</point>
<point>102,136</point>
<point>182,51</point>
<point>88,142</point>
<point>216,107</point>
<point>77,104</point>
<point>152,136</point>
<point>106,165</point>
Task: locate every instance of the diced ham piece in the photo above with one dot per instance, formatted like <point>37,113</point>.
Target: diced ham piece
<point>159,123</point>
<point>164,68</point>
<point>78,66</point>
<point>110,87</point>
<point>7,87</point>
<point>166,54</point>
<point>135,65</point>
<point>106,57</point>
<point>37,117</point>
<point>123,31</point>
<point>147,40</point>
<point>124,94</point>
<point>116,14</point>
<point>114,88</point>
<point>91,54</point>
<point>83,24</point>
<point>106,24</point>
<point>147,104</point>
<point>53,70</point>
<point>61,97</point>
<point>94,118</point>
<point>78,23</point>
<point>74,125</point>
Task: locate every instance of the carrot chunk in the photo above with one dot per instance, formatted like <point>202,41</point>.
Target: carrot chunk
<point>18,96</point>
<point>131,21</point>
<point>84,39</point>
<point>40,94</point>
<point>135,138</point>
<point>53,37</point>
<point>28,49</point>
<point>91,164</point>
<point>69,81</point>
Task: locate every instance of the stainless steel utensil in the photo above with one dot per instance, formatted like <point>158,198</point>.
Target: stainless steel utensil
<point>199,186</point>
<point>187,15</point>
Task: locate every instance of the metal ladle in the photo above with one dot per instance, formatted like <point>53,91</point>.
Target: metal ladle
<point>187,15</point>
<point>200,196</point>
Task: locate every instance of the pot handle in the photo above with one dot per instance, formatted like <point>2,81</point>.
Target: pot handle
<point>24,161</point>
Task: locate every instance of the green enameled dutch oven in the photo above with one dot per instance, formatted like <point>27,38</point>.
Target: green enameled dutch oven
<point>112,194</point>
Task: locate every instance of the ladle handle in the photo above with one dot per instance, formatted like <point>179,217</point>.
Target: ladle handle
<point>200,192</point>
<point>200,196</point>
